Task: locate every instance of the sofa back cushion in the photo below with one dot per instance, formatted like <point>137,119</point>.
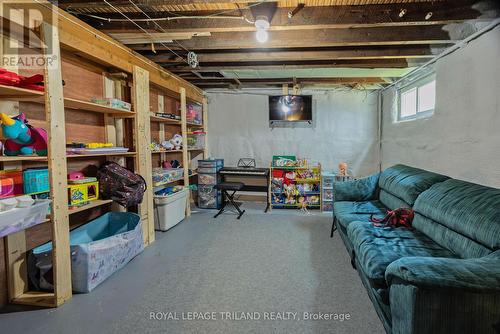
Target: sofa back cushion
<point>400,185</point>
<point>461,216</point>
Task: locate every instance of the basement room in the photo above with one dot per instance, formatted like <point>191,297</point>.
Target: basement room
<point>243,166</point>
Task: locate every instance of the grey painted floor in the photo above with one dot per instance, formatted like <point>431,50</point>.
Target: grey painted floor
<point>282,261</point>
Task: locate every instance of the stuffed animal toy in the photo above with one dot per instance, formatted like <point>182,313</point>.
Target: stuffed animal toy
<point>343,169</point>
<point>166,144</point>
<point>22,138</point>
<point>289,177</point>
<point>177,141</point>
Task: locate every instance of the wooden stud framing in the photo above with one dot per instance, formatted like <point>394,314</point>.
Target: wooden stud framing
<point>143,139</point>
<point>55,117</point>
<point>185,156</point>
<point>206,152</point>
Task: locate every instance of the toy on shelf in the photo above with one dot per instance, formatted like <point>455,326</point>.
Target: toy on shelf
<point>168,116</point>
<point>34,82</point>
<point>22,138</point>
<point>113,103</point>
<point>167,145</point>
<point>11,183</point>
<point>81,189</point>
<point>94,148</point>
<point>176,141</point>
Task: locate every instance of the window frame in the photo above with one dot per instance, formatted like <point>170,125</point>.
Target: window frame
<point>416,84</point>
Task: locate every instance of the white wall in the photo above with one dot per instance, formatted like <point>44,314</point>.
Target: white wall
<point>462,138</point>
<point>346,127</point>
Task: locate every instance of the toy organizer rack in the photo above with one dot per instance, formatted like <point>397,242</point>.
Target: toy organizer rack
<point>92,65</point>
<point>304,184</point>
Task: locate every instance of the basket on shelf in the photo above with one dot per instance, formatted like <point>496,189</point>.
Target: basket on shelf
<point>36,180</point>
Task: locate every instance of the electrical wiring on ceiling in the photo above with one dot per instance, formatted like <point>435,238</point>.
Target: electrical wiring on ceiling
<point>144,30</point>
<point>218,15</point>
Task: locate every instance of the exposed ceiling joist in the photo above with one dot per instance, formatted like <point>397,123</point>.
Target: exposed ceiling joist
<point>418,52</point>
<point>332,17</point>
<point>384,63</point>
<point>413,35</point>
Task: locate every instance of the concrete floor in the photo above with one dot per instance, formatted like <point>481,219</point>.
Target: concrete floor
<point>273,267</point>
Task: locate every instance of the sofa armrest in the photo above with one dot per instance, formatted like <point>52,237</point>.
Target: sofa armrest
<point>364,189</point>
<point>481,275</point>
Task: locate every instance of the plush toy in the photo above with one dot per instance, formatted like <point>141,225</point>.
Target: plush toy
<point>289,177</point>
<point>22,138</point>
<point>167,145</point>
<point>343,169</point>
<point>176,141</point>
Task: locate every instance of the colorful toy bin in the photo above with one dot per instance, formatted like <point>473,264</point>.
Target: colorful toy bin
<point>36,181</point>
<point>98,249</point>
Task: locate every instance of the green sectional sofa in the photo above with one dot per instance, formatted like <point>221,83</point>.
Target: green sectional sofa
<point>443,276</point>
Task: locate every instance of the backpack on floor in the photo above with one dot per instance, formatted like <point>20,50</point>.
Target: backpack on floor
<point>120,184</point>
<point>402,217</point>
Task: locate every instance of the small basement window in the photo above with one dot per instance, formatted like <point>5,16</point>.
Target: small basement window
<point>417,99</point>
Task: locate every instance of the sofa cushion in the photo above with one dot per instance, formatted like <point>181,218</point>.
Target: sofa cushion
<point>468,212</point>
<point>406,183</point>
<point>376,247</point>
<point>347,212</point>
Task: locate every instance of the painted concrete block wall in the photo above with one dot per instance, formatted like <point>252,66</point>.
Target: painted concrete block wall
<point>462,138</point>
<point>345,129</point>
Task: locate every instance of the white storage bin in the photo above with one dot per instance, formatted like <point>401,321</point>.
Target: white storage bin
<point>18,219</point>
<point>170,210</point>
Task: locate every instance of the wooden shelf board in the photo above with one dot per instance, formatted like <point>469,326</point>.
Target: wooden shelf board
<point>5,158</point>
<point>21,94</point>
<point>195,173</point>
<point>73,156</point>
<point>196,149</point>
<point>94,107</point>
<point>36,298</point>
<point>171,151</point>
<point>92,204</point>
<point>164,120</point>
<point>194,125</point>
<point>126,154</point>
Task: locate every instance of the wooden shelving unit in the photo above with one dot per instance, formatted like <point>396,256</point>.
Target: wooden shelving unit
<point>92,65</point>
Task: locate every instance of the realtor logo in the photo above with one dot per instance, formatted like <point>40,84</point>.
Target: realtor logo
<point>23,25</point>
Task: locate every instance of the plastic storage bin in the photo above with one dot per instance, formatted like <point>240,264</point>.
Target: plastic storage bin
<point>170,210</point>
<point>36,180</point>
<point>98,249</point>
<point>196,140</point>
<point>14,184</point>
<point>18,219</point>
<point>194,113</point>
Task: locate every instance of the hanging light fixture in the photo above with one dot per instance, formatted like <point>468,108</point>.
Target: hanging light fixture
<point>262,24</point>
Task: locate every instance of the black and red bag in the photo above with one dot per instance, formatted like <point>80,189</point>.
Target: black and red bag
<point>402,217</point>
<point>120,184</point>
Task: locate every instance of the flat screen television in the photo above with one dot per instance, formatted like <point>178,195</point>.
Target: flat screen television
<point>290,108</point>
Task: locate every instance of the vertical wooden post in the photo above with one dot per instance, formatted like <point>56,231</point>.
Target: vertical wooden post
<point>54,113</point>
<point>185,157</point>
<point>161,108</point>
<point>206,152</point>
<point>143,159</point>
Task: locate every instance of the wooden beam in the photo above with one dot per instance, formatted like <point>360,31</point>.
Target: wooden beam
<point>294,81</point>
<point>412,35</point>
<point>143,139</point>
<point>377,63</point>
<point>55,117</point>
<point>185,155</point>
<point>81,39</point>
<point>419,52</point>
<point>313,17</point>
